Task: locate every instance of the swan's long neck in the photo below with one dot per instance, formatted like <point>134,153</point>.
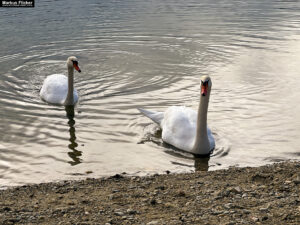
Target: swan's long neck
<point>201,145</point>
<point>70,96</point>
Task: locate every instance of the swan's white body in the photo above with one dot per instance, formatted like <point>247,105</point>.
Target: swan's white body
<point>59,89</point>
<point>55,89</point>
<point>185,128</point>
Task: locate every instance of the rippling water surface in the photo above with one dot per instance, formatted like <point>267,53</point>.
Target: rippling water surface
<point>147,54</point>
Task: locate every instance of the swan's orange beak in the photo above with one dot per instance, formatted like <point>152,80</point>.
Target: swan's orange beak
<point>204,87</point>
<point>75,64</point>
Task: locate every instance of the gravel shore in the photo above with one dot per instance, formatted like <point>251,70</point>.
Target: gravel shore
<point>263,195</point>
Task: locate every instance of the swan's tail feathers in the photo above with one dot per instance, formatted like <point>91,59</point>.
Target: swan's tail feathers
<point>156,117</point>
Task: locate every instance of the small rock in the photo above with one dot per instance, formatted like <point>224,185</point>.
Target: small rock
<point>228,205</point>
<point>187,204</point>
<point>153,222</point>
<point>85,201</point>
<point>15,220</point>
<point>42,218</point>
<point>131,211</point>
<point>199,198</point>
<point>236,190</point>
<point>297,180</point>
<point>161,188</point>
<point>246,211</point>
<point>170,205</point>
<point>254,219</point>
<point>190,214</point>
<point>181,194</point>
<point>158,201</point>
<point>70,203</point>
<point>119,213</point>
<point>31,217</point>
<point>153,202</point>
<point>6,209</point>
<point>215,212</point>
<point>263,209</point>
<point>264,218</point>
<point>244,195</point>
<point>101,211</point>
<point>156,192</point>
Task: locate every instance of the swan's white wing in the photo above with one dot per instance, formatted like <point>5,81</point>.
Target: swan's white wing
<point>179,127</point>
<point>55,89</point>
<point>156,117</point>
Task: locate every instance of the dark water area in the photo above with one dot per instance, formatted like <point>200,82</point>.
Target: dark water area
<point>147,54</point>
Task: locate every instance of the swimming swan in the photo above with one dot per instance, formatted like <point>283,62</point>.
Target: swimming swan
<point>59,89</point>
<point>183,127</point>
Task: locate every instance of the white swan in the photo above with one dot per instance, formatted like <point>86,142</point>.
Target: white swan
<point>59,89</point>
<point>183,127</point>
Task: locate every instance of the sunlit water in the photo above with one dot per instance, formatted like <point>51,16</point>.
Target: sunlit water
<point>147,54</point>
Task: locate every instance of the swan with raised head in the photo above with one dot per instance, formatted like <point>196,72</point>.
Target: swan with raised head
<point>59,89</point>
<point>185,128</point>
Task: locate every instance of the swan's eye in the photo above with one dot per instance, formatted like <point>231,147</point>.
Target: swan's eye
<point>75,63</point>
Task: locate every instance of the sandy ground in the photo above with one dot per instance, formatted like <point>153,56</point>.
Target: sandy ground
<point>263,195</point>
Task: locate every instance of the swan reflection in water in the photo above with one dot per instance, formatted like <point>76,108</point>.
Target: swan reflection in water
<point>74,154</point>
<point>201,163</point>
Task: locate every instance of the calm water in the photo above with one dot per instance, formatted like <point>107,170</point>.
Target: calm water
<point>147,54</point>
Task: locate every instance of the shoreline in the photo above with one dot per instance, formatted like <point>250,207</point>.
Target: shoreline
<point>268,194</point>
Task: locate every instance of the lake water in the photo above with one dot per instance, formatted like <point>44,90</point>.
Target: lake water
<point>147,54</point>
